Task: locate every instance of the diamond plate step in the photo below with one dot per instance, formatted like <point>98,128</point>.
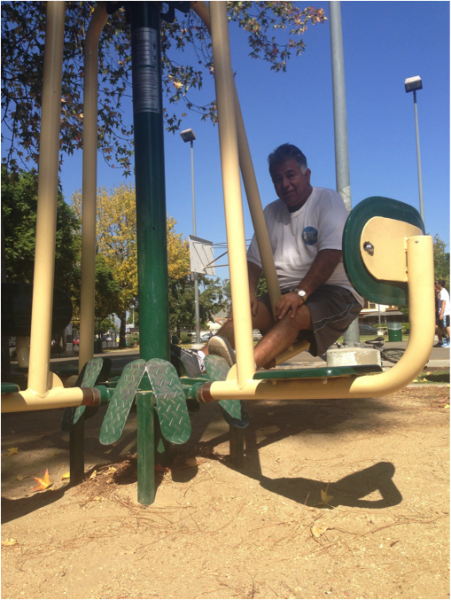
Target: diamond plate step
<point>95,370</point>
<point>233,411</point>
<point>121,402</point>
<point>170,401</point>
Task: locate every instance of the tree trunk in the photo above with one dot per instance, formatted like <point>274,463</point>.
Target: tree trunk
<point>123,318</point>
<point>6,365</point>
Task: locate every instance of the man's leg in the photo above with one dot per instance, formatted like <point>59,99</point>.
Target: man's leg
<point>281,336</point>
<point>263,321</point>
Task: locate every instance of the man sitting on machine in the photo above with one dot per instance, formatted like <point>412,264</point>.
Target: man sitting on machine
<point>318,303</point>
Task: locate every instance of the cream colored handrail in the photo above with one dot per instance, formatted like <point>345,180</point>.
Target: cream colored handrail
<point>250,183</point>
<point>231,183</point>
<point>89,190</point>
<point>44,265</point>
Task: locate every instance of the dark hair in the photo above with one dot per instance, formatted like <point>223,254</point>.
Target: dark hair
<point>441,282</point>
<point>286,152</point>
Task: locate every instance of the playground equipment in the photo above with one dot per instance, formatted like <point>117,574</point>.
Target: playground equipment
<point>386,254</point>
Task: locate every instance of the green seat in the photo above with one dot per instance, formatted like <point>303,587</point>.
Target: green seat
<point>320,373</point>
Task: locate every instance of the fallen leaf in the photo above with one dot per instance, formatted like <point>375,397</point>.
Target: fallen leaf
<point>98,499</point>
<point>446,405</point>
<point>12,451</point>
<point>43,483</point>
<point>66,475</point>
<point>318,531</point>
<point>10,542</point>
<point>93,475</point>
<point>111,470</point>
<point>325,499</point>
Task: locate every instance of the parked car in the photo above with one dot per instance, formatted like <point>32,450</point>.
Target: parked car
<point>107,338</point>
<point>367,330</point>
<point>76,342</point>
<point>206,336</point>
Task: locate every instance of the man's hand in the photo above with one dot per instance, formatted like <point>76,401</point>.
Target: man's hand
<point>288,304</point>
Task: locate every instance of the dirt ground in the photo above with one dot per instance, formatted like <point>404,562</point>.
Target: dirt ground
<point>216,532</point>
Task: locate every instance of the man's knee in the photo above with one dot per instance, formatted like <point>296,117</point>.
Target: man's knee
<point>263,320</point>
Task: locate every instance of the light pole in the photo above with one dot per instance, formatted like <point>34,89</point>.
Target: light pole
<point>188,136</point>
<point>412,84</point>
<point>343,179</point>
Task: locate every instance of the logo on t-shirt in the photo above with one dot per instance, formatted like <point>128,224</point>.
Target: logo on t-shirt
<point>310,236</point>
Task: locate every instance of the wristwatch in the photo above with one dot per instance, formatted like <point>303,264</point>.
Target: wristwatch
<point>302,294</point>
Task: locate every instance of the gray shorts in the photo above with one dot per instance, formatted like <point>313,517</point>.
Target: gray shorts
<point>332,309</point>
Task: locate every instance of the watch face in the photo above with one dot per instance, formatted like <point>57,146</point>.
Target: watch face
<point>301,293</point>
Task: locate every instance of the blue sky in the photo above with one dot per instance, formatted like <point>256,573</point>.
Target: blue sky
<point>384,43</point>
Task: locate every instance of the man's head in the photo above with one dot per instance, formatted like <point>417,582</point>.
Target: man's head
<point>440,283</point>
<point>290,175</point>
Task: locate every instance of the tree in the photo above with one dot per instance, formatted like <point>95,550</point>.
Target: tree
<point>441,261</point>
<point>19,208</point>
<point>212,299</point>
<point>107,290</point>
<point>116,244</point>
<point>23,32</point>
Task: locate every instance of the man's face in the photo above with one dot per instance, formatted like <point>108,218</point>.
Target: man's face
<point>291,184</point>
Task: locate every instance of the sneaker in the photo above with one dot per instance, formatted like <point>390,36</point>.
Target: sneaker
<point>193,360</point>
<point>220,347</point>
<point>445,345</point>
<point>439,344</point>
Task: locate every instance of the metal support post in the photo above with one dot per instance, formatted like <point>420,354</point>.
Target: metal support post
<point>77,452</point>
<point>151,221</point>
<point>420,179</point>
<point>196,282</point>
<point>341,128</point>
<point>150,181</point>
<point>146,447</point>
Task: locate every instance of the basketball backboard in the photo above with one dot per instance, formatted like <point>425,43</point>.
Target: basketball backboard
<point>201,254</point>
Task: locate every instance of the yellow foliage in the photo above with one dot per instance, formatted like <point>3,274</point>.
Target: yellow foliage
<point>116,239</point>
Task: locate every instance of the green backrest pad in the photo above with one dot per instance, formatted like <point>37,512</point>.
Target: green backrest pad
<point>381,292</point>
<point>16,309</point>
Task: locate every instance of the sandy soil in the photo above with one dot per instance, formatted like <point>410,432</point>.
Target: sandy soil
<point>215,532</point>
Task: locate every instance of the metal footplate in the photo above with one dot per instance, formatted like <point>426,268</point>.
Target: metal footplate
<point>170,401</point>
<point>88,377</point>
<point>121,402</point>
<point>233,411</point>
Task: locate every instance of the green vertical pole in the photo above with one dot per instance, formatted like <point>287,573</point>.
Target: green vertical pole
<point>146,452</point>
<point>150,180</point>
<point>77,452</point>
<point>151,222</point>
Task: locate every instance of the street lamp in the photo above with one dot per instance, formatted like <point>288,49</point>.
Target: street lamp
<point>412,84</point>
<point>188,136</point>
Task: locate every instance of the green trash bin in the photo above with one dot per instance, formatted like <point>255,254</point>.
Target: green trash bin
<point>395,332</point>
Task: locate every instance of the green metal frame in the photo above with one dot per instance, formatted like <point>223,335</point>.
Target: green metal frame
<point>320,373</point>
<point>382,292</point>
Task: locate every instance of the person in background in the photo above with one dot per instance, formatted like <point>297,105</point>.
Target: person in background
<point>438,330</point>
<point>443,311</point>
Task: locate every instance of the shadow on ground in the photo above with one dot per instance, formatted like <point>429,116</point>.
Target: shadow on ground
<point>43,445</point>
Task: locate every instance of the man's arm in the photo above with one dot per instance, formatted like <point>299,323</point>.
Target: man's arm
<point>442,308</point>
<point>322,268</point>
